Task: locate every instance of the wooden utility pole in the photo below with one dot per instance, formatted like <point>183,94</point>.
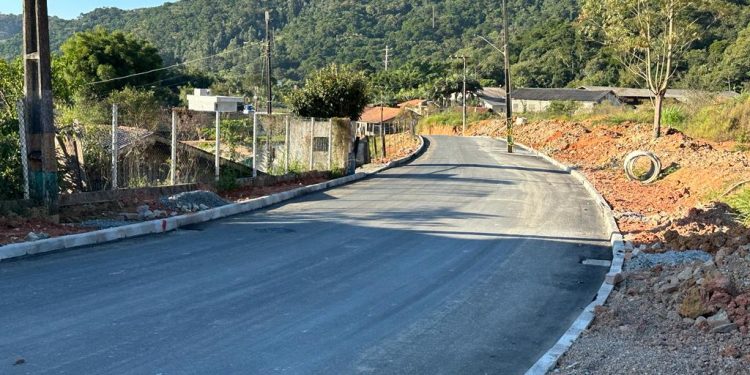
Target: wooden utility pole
<point>508,103</point>
<point>269,89</point>
<point>38,102</point>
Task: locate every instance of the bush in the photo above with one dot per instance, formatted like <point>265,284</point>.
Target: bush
<point>559,107</point>
<point>673,116</point>
<point>724,121</point>
<point>11,177</point>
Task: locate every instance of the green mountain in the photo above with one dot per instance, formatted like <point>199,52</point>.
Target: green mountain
<point>547,48</point>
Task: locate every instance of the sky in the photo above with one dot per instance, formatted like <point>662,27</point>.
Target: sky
<point>69,9</point>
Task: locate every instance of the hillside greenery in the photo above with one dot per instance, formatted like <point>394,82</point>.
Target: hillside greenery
<point>548,46</point>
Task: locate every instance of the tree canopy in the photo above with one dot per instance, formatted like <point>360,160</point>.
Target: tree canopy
<point>333,91</point>
<point>93,61</point>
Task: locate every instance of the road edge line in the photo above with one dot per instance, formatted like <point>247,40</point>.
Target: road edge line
<point>550,358</point>
<point>72,241</point>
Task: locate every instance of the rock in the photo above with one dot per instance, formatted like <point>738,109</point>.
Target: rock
<point>33,236</point>
<point>614,278</point>
<point>718,282</point>
<point>130,216</point>
<point>160,213</point>
<point>700,321</point>
<point>688,321</point>
<point>656,246</point>
<point>718,319</point>
<point>731,351</point>
<point>692,305</point>
<point>722,254</point>
<point>141,210</point>
<point>687,273</point>
<point>720,299</point>
<point>724,328</point>
<point>671,286</point>
<point>147,215</point>
<point>202,207</point>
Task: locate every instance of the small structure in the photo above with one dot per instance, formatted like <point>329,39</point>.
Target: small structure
<point>418,106</point>
<point>539,100</point>
<point>370,120</point>
<point>203,101</point>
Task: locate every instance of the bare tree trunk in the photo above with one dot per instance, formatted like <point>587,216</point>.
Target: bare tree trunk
<point>659,100</point>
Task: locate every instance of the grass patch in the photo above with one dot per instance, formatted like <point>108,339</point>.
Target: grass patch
<point>720,121</point>
<point>740,202</point>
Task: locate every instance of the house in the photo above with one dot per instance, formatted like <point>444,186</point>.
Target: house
<point>418,106</point>
<point>370,120</point>
<point>634,96</point>
<point>492,98</point>
<point>540,99</point>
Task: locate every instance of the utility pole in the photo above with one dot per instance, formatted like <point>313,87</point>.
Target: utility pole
<point>269,105</point>
<point>433,16</point>
<point>463,131</point>
<point>386,57</point>
<point>38,102</point>
<point>508,103</point>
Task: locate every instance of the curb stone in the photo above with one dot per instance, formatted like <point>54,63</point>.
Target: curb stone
<point>549,360</point>
<point>72,241</point>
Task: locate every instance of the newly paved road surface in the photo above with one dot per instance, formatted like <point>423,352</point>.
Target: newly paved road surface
<point>467,261</point>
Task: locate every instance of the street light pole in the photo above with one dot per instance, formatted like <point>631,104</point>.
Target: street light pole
<point>508,104</point>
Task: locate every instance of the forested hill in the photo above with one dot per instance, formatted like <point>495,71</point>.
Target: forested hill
<point>547,47</point>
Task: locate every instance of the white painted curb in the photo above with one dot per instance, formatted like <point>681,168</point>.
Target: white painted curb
<point>165,225</point>
<point>548,361</point>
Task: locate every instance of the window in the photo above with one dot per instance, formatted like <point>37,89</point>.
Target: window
<point>320,144</point>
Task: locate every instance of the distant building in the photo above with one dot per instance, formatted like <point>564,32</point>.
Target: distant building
<point>540,99</point>
<point>634,96</point>
<point>492,98</point>
<point>370,120</point>
<point>418,106</point>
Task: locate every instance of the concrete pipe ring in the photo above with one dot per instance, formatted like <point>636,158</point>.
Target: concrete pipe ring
<point>654,169</point>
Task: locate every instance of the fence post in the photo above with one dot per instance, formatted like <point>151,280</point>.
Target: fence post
<point>173,160</point>
<point>115,147</point>
<point>20,106</point>
<point>217,157</point>
<point>286,144</point>
<point>382,137</point>
<point>255,144</point>
<point>312,140</point>
<point>330,144</point>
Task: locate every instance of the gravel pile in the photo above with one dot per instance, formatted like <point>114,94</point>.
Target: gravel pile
<point>203,199</point>
<point>670,258</point>
<point>104,223</point>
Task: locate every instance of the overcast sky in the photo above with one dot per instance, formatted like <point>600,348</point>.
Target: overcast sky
<point>69,9</point>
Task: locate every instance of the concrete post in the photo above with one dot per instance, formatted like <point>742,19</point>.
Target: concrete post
<point>330,144</point>
<point>255,144</point>
<point>286,144</point>
<point>217,157</point>
<point>115,147</point>
<point>41,155</point>
<point>173,159</point>
<point>312,140</point>
<point>24,151</point>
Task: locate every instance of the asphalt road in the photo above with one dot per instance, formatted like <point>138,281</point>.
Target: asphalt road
<point>467,261</point>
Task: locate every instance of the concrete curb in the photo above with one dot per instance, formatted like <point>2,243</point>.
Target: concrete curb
<point>549,360</point>
<point>165,225</point>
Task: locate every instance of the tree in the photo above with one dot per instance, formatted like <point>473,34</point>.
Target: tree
<point>650,37</point>
<point>93,60</point>
<point>333,91</point>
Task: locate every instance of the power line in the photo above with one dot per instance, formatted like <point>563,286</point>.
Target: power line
<point>246,44</point>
